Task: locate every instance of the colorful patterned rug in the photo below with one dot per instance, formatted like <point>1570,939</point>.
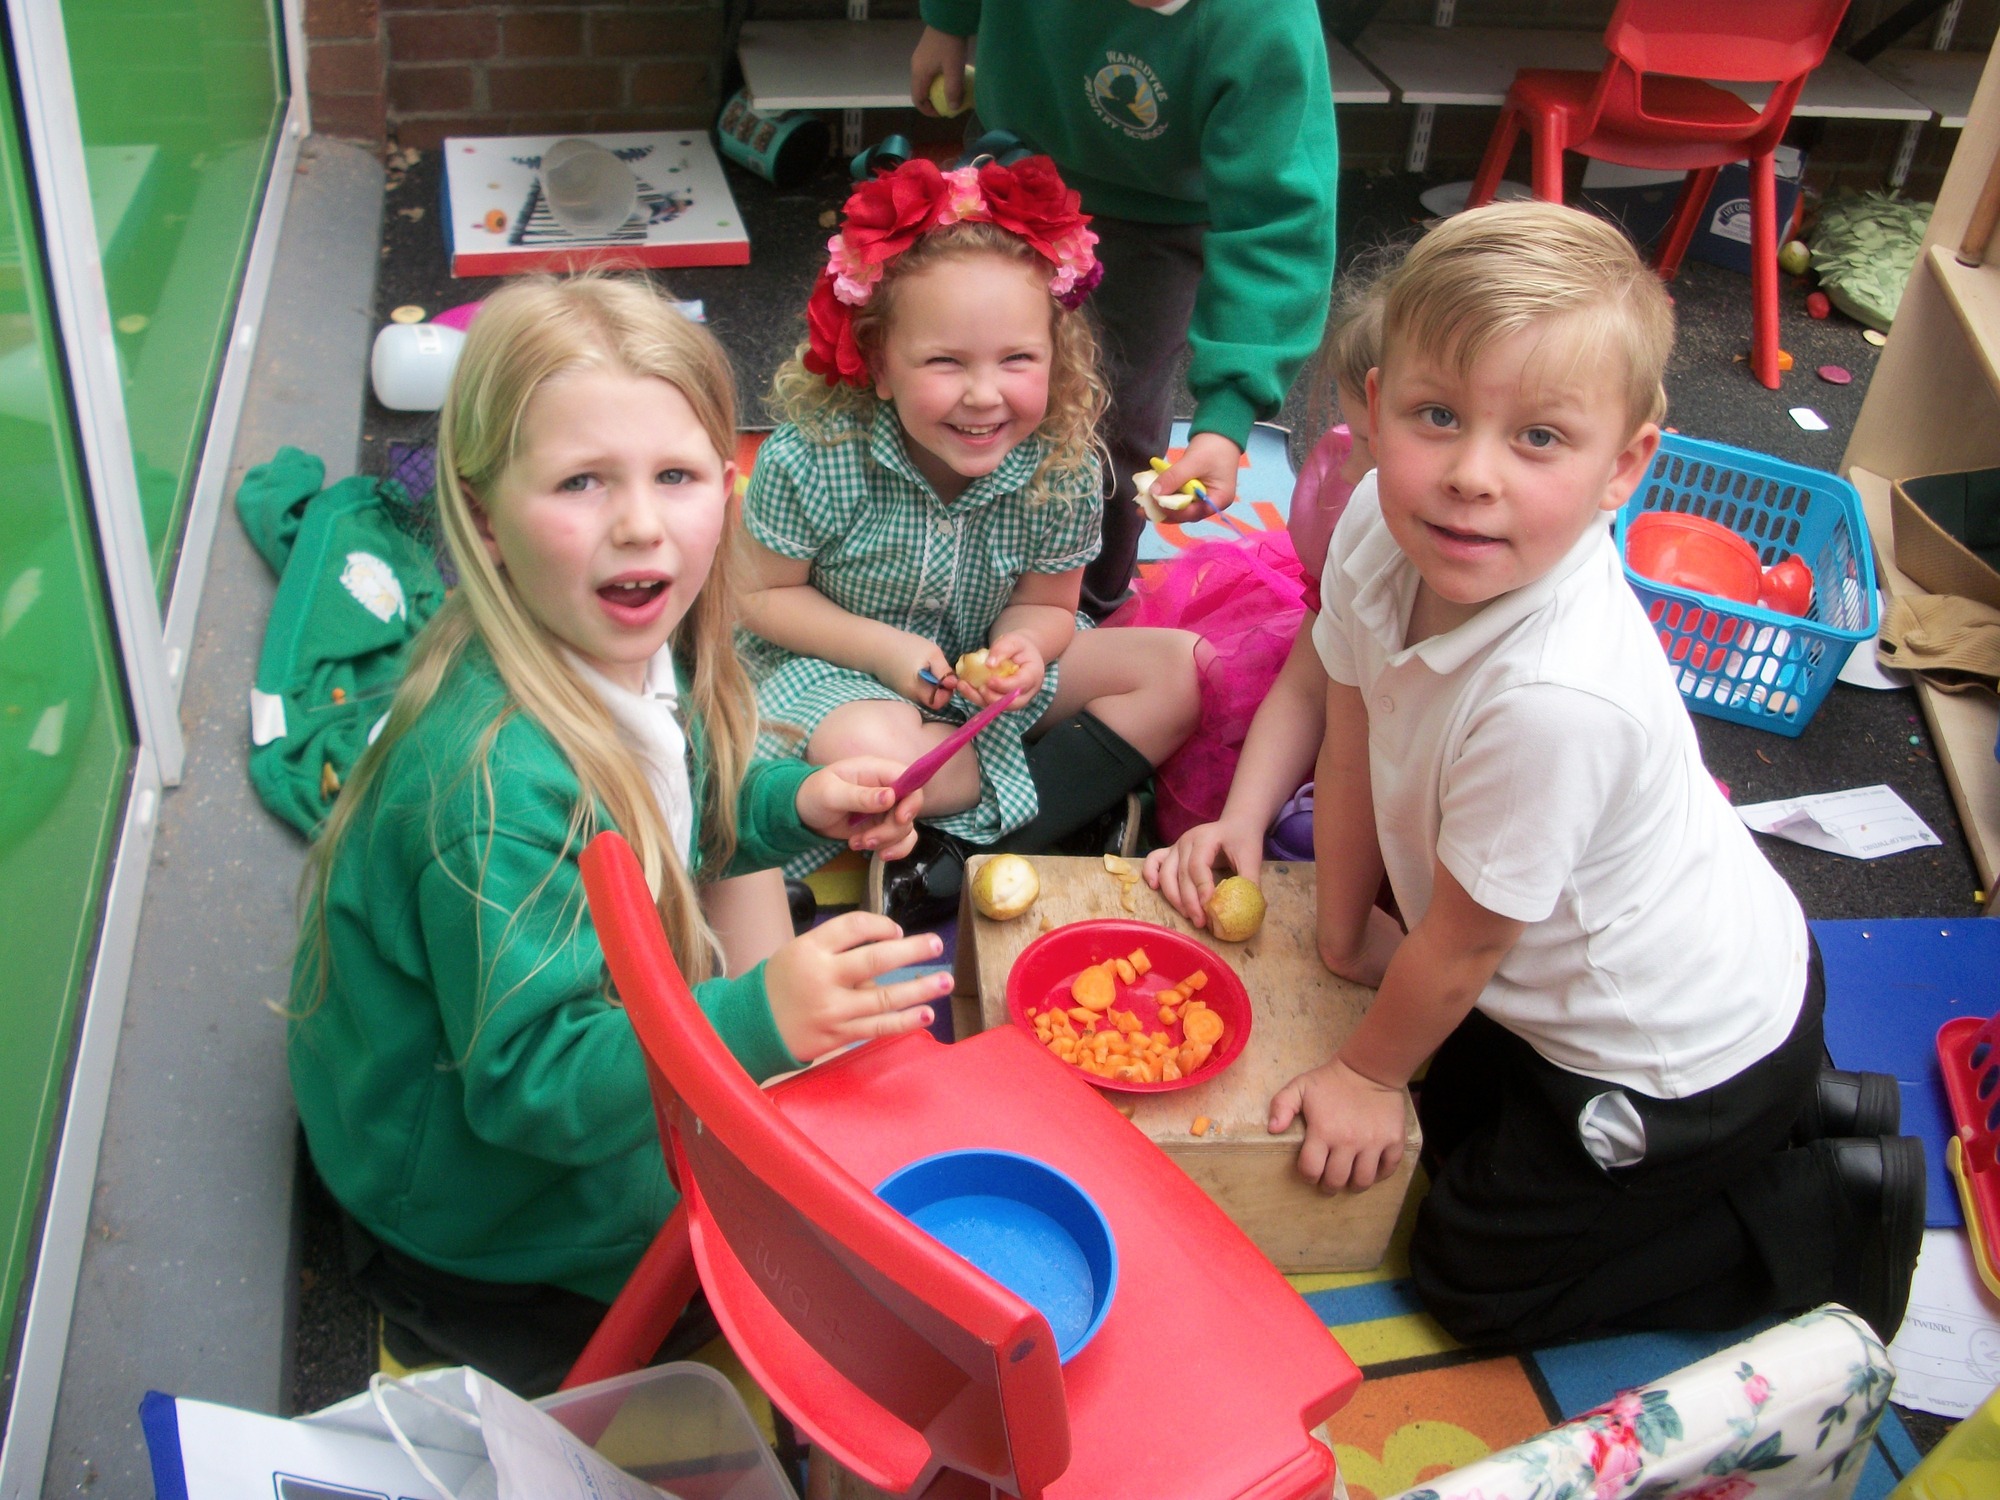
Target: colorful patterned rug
<point>1426,1405</point>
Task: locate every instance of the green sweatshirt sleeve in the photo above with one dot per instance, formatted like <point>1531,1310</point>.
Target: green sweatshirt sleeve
<point>768,830</point>
<point>1270,160</point>
<point>550,1066</point>
<point>955,17</point>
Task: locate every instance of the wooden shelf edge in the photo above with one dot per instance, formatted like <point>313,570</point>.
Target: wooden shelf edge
<point>1964,726</point>
<point>1973,294</point>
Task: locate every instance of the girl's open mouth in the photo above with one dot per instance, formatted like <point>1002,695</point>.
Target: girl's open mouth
<point>632,595</point>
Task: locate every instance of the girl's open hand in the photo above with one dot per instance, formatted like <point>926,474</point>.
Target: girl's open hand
<point>1354,1126</point>
<point>822,985</point>
<point>832,796</point>
<point>1026,657</point>
<point>1211,458</point>
<point>1184,871</point>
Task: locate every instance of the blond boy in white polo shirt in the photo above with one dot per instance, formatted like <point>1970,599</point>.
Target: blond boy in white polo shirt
<point>1627,1112</point>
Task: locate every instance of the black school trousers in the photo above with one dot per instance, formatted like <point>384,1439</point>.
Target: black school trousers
<point>1524,1239</point>
<point>1142,310</point>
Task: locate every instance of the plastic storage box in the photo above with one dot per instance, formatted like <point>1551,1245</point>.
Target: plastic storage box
<point>1736,661</point>
<point>681,1427</point>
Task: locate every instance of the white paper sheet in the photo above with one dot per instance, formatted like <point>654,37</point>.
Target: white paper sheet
<point>1947,1353</point>
<point>1865,823</point>
<point>1863,668</point>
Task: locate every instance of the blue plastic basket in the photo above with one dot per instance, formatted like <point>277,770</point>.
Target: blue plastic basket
<point>1736,661</point>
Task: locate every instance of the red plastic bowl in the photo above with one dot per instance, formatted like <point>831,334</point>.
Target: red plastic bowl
<point>1042,975</point>
<point>1692,553</point>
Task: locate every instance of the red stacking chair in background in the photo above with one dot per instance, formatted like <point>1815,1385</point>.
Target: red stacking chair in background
<point>911,1368</point>
<point>1651,108</point>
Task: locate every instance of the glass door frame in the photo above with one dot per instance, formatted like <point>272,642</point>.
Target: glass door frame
<point>153,646</point>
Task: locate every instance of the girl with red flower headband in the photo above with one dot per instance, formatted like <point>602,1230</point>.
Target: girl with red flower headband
<point>935,491</point>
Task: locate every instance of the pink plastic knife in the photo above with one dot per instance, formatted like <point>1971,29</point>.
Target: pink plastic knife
<point>927,765</point>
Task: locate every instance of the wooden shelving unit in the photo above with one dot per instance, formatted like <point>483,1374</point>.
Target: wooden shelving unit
<point>1933,406</point>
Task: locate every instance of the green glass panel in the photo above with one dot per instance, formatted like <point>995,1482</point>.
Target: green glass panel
<point>181,102</point>
<point>65,739</point>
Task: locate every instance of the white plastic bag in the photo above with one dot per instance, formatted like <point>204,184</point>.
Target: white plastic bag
<point>524,1454</point>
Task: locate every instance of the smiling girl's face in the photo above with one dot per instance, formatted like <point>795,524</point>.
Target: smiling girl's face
<point>607,520</point>
<point>965,359</point>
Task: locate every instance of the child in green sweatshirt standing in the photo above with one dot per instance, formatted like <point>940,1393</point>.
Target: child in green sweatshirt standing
<point>1200,134</point>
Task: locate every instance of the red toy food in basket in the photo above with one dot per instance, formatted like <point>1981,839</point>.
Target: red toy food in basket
<point>1969,1057</point>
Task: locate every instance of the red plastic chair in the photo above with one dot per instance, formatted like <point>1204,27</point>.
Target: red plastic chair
<point>1650,107</point>
<point>915,1371</point>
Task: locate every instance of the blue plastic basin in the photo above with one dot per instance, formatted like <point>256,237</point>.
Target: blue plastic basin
<point>1028,1226</point>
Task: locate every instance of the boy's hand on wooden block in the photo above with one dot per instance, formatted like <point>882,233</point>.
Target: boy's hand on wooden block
<point>1354,1126</point>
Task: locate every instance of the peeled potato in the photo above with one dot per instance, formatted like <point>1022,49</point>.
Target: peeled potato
<point>1005,887</point>
<point>1162,508</point>
<point>974,672</point>
<point>1235,910</point>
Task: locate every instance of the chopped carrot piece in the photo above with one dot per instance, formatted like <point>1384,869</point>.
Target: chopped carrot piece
<point>1200,1125</point>
<point>1126,973</point>
<point>1169,1070</point>
<point>1081,1013</point>
<point>1195,981</point>
<point>1201,1026</point>
<point>1140,962</point>
<point>1093,988</point>
<point>1167,1014</point>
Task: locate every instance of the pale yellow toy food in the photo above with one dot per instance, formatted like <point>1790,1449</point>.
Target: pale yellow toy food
<point>1161,508</point>
<point>1235,910</point>
<point>974,671</point>
<point>1005,887</point>
<point>942,104</point>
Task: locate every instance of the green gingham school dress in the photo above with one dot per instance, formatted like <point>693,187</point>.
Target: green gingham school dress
<point>882,545</point>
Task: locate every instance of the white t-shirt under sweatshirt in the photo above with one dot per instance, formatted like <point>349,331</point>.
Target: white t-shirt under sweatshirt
<point>651,726</point>
<point>1542,754</point>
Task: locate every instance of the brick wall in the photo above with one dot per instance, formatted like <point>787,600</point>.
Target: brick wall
<point>419,70</point>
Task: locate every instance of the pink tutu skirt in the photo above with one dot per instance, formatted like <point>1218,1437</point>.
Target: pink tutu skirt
<point>1245,599</point>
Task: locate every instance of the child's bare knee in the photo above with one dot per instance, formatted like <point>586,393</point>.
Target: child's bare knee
<point>1179,680</point>
<point>889,730</point>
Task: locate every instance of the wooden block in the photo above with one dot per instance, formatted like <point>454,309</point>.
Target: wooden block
<point>1300,1016</point>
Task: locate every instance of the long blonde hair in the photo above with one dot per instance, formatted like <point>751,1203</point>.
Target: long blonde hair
<point>529,333</point>
<point>1078,396</point>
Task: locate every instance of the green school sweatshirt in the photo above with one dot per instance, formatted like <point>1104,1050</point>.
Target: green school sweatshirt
<point>468,1091</point>
<point>1221,113</point>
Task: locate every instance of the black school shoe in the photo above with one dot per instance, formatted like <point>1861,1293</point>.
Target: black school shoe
<point>1881,1179</point>
<point>1850,1104</point>
<point>921,889</point>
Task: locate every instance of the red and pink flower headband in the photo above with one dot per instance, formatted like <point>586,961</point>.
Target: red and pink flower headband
<point>891,212</point>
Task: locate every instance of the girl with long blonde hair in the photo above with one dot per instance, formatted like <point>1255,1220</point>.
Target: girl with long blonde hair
<point>471,1094</point>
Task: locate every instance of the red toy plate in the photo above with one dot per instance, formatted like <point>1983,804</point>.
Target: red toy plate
<point>1042,975</point>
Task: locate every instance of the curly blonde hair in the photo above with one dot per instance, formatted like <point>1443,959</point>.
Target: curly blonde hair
<point>1078,395</point>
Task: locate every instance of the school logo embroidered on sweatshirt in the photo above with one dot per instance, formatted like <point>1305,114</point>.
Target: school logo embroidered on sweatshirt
<point>374,585</point>
<point>1128,96</point>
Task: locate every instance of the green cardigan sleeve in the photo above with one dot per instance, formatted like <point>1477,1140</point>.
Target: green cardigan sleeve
<point>549,1063</point>
<point>768,830</point>
<point>1270,161</point>
<point>957,17</point>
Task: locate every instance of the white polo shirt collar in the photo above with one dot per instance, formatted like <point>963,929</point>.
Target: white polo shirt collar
<point>1385,587</point>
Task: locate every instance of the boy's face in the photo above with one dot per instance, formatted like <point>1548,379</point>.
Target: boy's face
<point>1487,479</point>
